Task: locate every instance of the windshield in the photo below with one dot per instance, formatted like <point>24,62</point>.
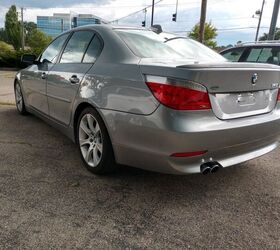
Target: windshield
<point>147,44</point>
<point>192,49</point>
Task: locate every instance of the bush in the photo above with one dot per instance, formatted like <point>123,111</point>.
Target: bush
<point>9,57</point>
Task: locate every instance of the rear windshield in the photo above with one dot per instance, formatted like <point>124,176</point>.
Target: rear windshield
<point>193,49</point>
<point>147,44</point>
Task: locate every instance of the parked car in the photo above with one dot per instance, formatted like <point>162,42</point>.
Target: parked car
<point>260,52</point>
<point>125,96</point>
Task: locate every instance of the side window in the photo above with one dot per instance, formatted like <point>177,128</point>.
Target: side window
<point>52,51</point>
<point>93,51</point>
<point>254,55</point>
<point>270,55</point>
<point>76,47</point>
<point>234,55</point>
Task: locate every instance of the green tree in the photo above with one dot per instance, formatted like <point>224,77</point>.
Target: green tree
<point>29,27</point>
<point>210,33</point>
<point>37,41</point>
<point>264,37</point>
<point>12,27</point>
<point>3,35</point>
<point>8,56</point>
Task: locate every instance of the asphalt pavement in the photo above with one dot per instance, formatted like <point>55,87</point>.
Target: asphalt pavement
<point>49,201</point>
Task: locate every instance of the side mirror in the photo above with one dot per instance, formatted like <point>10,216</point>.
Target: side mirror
<point>28,59</point>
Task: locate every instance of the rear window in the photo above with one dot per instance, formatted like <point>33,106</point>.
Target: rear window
<point>194,50</point>
<point>148,44</point>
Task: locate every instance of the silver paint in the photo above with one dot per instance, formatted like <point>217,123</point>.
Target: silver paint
<point>144,133</point>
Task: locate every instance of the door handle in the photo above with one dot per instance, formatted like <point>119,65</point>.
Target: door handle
<point>44,75</point>
<point>74,79</point>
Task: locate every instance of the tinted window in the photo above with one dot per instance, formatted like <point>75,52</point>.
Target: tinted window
<point>148,44</point>
<point>234,55</point>
<point>52,51</point>
<point>264,55</point>
<point>254,55</point>
<point>76,47</point>
<point>93,50</point>
<point>194,50</point>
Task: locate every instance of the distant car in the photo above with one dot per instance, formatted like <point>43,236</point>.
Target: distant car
<point>130,96</point>
<point>260,52</point>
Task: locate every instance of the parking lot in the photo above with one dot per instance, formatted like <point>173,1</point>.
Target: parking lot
<point>48,200</point>
<point>6,87</point>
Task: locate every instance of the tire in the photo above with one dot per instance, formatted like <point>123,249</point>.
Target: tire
<point>94,143</point>
<point>19,99</point>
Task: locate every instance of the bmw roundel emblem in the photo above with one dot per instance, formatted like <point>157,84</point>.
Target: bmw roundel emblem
<point>254,78</point>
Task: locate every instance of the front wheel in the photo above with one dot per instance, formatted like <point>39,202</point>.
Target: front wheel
<point>94,143</point>
<point>19,99</point>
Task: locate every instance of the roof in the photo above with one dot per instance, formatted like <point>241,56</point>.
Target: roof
<point>259,43</point>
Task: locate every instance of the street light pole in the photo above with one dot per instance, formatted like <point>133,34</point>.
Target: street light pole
<point>274,17</point>
<point>153,8</point>
<point>259,23</point>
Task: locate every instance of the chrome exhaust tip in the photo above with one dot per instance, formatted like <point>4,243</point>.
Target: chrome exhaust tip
<point>210,167</point>
<point>205,168</point>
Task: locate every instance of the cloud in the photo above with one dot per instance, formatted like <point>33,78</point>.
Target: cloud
<point>229,17</point>
<point>49,3</point>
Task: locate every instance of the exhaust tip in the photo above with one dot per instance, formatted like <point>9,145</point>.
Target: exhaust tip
<point>210,167</point>
<point>215,169</point>
<point>205,168</point>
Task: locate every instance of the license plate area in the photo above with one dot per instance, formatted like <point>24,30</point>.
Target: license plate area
<point>235,105</point>
<point>246,99</point>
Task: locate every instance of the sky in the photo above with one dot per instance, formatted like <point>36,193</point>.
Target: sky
<point>232,18</point>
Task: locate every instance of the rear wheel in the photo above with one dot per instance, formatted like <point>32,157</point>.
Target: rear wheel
<point>19,99</point>
<point>94,143</point>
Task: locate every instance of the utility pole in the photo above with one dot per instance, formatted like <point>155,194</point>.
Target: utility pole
<point>274,17</point>
<point>153,8</point>
<point>174,16</point>
<point>260,19</point>
<point>202,20</point>
<point>22,29</point>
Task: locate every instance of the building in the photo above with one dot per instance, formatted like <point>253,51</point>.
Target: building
<point>60,22</point>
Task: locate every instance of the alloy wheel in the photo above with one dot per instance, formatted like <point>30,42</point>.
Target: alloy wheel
<point>90,140</point>
<point>19,98</point>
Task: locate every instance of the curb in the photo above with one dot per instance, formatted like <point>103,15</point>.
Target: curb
<point>3,103</point>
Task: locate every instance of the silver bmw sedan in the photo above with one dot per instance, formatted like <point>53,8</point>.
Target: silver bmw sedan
<point>130,96</point>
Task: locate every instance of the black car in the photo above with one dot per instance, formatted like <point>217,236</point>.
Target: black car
<point>260,52</point>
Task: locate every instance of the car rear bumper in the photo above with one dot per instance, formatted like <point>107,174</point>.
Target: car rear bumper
<point>149,141</point>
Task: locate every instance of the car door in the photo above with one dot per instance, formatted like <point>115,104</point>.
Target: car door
<point>65,76</point>
<point>34,78</point>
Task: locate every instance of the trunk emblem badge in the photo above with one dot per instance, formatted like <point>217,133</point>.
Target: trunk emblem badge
<point>254,78</point>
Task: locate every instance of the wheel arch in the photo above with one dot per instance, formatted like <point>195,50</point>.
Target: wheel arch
<point>78,110</point>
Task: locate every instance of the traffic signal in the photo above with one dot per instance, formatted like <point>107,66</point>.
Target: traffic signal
<point>144,24</point>
<point>174,17</point>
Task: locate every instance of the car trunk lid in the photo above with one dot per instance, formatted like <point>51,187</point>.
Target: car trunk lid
<point>235,89</point>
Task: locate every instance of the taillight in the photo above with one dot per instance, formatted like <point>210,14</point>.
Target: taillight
<point>278,96</point>
<point>179,94</point>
